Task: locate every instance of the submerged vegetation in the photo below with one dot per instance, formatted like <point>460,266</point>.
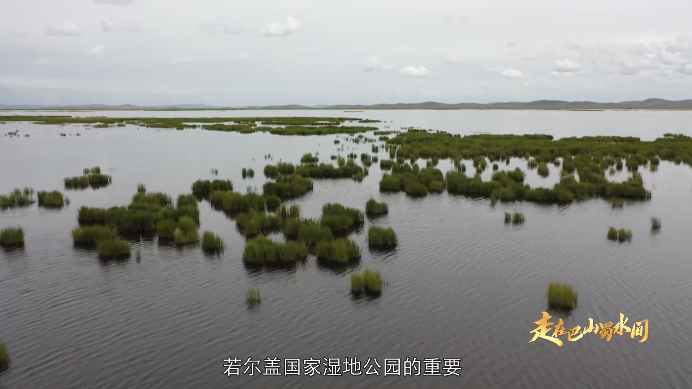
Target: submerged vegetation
<point>561,296</point>
<point>517,218</point>
<point>12,237</point>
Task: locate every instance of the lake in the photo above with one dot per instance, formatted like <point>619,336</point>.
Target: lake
<point>461,284</point>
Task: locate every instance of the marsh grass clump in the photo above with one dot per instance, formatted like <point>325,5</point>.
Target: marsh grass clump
<point>113,248</point>
<point>496,167</point>
<point>205,187</point>
<point>624,235</point>
<point>508,217</point>
<point>250,173</point>
<point>381,237</point>
<point>288,187</point>
<point>612,233</point>
<point>253,222</point>
<point>436,186</point>
<point>93,234</point>
<point>543,170</point>
<point>186,232</point>
<point>416,189</point>
<point>12,237</point>
<point>271,171</point>
<point>286,212</point>
<point>235,202</point>
<point>244,173</point>
<point>165,229</point>
<point>212,242</point>
<point>52,199</point>
<point>357,283</point>
<point>264,251</point>
<point>4,357</point>
<point>373,208</point>
<point>17,198</point>
<point>372,282</point>
<point>655,223</point>
<point>334,209</point>
<point>312,232</point>
<point>141,188</point>
<point>518,218</point>
<point>92,178</point>
<point>561,296</point>
<point>340,251</point>
<point>253,295</point>
<point>386,164</point>
<point>272,202</point>
<point>286,168</point>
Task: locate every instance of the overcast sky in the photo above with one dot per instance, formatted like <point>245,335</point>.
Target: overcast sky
<point>263,52</point>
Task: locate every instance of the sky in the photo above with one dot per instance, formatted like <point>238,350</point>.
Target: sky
<point>276,52</point>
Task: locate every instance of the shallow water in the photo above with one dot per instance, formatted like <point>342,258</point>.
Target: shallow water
<point>461,284</point>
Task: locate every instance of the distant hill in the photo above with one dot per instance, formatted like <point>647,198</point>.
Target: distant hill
<point>648,103</point>
<point>539,104</point>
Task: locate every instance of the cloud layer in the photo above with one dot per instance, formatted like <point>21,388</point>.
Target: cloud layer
<point>70,30</point>
<point>289,26</point>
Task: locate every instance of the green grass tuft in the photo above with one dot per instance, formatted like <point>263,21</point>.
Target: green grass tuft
<point>373,208</point>
<point>11,237</point>
<point>212,242</point>
<point>612,233</point>
<point>381,237</point>
<point>52,199</point>
<point>655,223</point>
<point>561,296</point>
<point>340,251</point>
<point>4,357</point>
<point>253,295</point>
<point>93,234</point>
<point>113,248</point>
<point>372,282</point>
<point>357,283</point>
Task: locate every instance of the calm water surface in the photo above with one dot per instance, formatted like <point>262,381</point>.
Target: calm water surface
<point>461,284</point>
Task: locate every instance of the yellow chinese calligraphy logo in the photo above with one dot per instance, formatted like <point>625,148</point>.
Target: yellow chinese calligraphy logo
<point>606,331</point>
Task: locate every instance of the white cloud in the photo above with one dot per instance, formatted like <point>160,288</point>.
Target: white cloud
<point>97,51</point>
<point>686,70</point>
<point>115,2</point>
<point>652,57</point>
<point>566,66</point>
<point>375,63</point>
<point>414,71</point>
<point>512,42</point>
<point>289,26</point>
<point>108,25</point>
<point>215,28</point>
<point>64,29</point>
<point>40,61</point>
<point>184,60</point>
<point>513,73</point>
<point>243,57</point>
